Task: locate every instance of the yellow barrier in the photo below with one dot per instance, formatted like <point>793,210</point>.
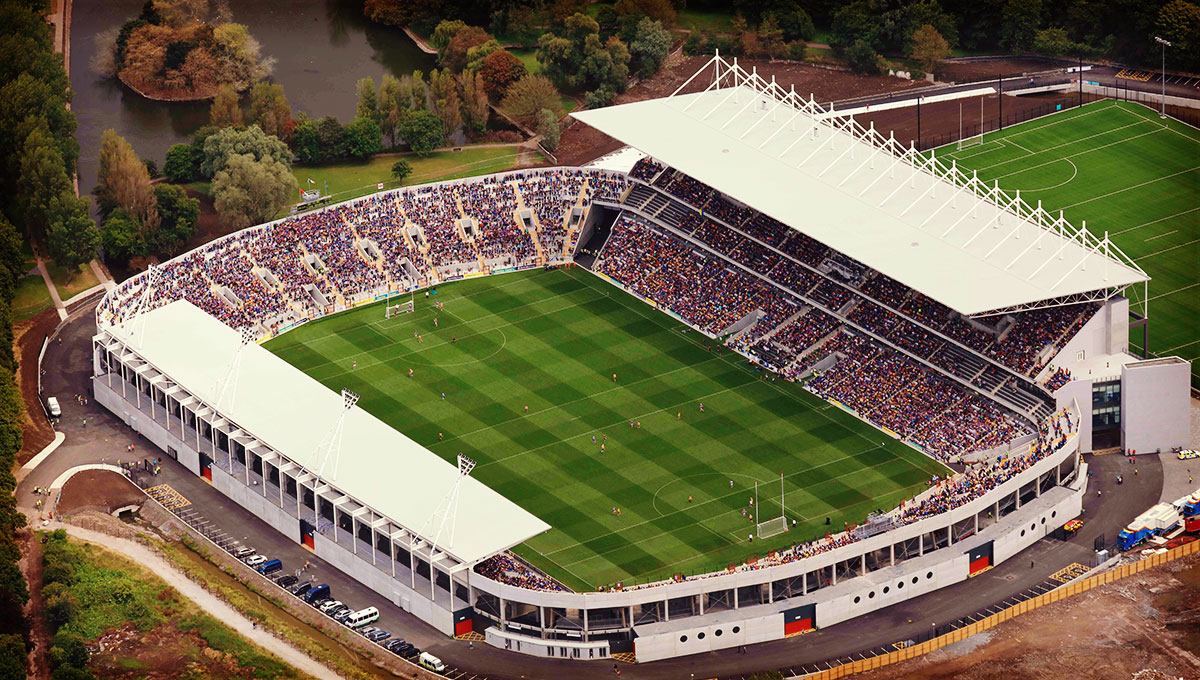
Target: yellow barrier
<point>1027,606</point>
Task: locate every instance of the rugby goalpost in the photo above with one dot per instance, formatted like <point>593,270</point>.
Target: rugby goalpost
<point>395,310</point>
<point>775,525</point>
<point>974,140</point>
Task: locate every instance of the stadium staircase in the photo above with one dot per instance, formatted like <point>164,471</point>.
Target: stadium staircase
<point>971,369</point>
<point>534,231</point>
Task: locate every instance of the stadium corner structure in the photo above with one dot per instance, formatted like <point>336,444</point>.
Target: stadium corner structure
<point>994,337</point>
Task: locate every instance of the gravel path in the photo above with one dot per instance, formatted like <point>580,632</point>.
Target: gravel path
<point>210,603</point>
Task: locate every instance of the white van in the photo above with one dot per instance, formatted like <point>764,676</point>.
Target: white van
<point>362,617</point>
<point>427,660</point>
<point>53,408</point>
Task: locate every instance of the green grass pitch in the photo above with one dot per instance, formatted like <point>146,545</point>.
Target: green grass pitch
<point>1126,171</point>
<point>551,340</point>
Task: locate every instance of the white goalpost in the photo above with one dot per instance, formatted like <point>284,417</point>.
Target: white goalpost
<point>399,308</point>
<point>775,525</point>
<point>974,140</point>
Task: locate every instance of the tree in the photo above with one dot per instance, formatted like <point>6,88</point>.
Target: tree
<point>499,71</point>
<point>797,25</point>
<point>446,102</point>
<point>363,138</point>
<point>863,58</point>
<point>528,96</point>
<point>225,111</point>
<point>445,32</point>
<point>125,182</point>
<point>12,657</point>
<point>41,181</point>
<point>661,11</point>
<point>332,136</point>
<point>422,131</point>
<point>454,56</point>
<point>599,98</point>
<point>576,59</point>
<point>1018,23</point>
<point>390,109</point>
<point>61,605</point>
<point>367,105</point>
<point>178,166</point>
<point>120,238</point>
<point>853,23</point>
<point>72,238</point>
<point>650,45</point>
<point>227,142</point>
<point>238,56</point>
<point>269,110</point>
<point>307,143</point>
<point>929,47</point>
<point>478,53</point>
<point>251,191</point>
<point>1179,22</point>
<point>474,102</point>
<point>547,127</point>
<point>68,649</point>
<point>770,36</point>
<point>401,170</point>
<point>1054,42</point>
<point>179,213</point>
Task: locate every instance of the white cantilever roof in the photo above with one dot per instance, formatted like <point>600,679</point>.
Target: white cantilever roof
<point>292,413</point>
<point>931,227</point>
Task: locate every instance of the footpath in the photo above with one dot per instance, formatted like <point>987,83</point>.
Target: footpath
<point>210,603</point>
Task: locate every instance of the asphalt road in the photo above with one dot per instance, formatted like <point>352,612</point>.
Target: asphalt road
<point>104,439</point>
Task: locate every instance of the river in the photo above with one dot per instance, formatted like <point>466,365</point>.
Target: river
<point>321,46</point>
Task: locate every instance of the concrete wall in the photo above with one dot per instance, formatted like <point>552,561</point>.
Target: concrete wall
<point>865,594</point>
<point>1107,332</point>
<point>558,649</point>
<point>251,498</point>
<point>1155,404</point>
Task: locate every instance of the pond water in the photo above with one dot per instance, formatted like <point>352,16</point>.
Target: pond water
<point>321,46</point>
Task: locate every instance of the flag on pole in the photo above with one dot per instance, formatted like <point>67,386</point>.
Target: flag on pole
<point>311,181</point>
<point>379,186</point>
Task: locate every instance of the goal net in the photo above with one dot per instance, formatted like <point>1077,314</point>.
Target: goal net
<point>397,310</point>
<point>974,140</point>
<point>776,525</point>
<point>772,527</point>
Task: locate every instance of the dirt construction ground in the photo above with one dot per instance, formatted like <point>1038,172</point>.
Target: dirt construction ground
<point>1145,627</point>
<point>581,143</point>
<point>100,490</point>
<point>971,71</point>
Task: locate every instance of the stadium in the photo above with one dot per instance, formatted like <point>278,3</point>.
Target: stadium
<point>777,372</point>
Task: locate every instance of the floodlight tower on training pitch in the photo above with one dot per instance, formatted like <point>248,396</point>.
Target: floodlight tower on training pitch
<point>332,446</point>
<point>448,509</point>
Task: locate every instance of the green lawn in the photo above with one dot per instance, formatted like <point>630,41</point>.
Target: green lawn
<point>31,297</point>
<point>69,286</point>
<point>551,340</point>
<point>1124,170</point>
<point>529,58</point>
<point>349,179</point>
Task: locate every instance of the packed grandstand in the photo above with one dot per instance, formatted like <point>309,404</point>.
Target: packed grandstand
<point>943,382</point>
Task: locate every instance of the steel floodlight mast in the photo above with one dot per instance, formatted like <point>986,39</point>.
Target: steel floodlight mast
<point>1165,44</point>
<point>333,448</point>
<point>448,509</point>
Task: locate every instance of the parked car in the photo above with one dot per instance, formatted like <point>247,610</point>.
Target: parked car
<point>300,588</point>
<point>320,592</point>
<point>362,617</point>
<point>394,644</point>
<point>333,612</point>
<point>53,408</point>
<point>270,567</point>
<point>377,635</point>
<point>411,651</point>
<point>342,616</point>
<point>327,606</point>
<point>255,560</point>
<point>367,630</point>
<point>243,552</point>
<point>287,580</point>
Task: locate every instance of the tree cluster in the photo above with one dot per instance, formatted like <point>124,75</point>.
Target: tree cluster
<point>68,654</point>
<point>177,49</point>
<point>140,218</point>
